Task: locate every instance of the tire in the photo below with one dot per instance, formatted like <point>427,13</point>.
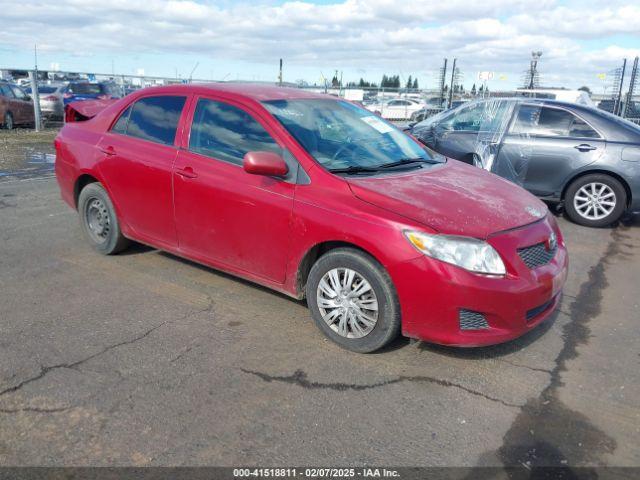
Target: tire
<point>99,221</point>
<point>381,294</point>
<point>8,121</point>
<point>609,206</point>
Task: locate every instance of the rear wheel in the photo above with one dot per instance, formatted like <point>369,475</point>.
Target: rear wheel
<point>353,301</point>
<point>8,121</point>
<point>99,221</point>
<point>595,200</point>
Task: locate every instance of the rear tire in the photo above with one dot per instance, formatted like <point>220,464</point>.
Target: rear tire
<point>8,121</point>
<point>595,200</point>
<point>99,221</point>
<point>362,312</point>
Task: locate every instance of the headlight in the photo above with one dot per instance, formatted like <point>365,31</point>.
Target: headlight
<point>469,253</point>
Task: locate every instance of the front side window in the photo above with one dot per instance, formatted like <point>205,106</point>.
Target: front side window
<point>155,119</point>
<point>467,119</point>
<point>227,133</point>
<point>551,122</point>
<point>340,135</point>
<point>19,94</point>
<point>121,125</point>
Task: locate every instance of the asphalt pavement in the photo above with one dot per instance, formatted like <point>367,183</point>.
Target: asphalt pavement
<point>147,359</point>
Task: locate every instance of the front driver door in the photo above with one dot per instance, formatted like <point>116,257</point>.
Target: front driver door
<point>223,214</point>
<point>544,146</point>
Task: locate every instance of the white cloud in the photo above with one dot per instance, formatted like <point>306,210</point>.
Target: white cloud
<point>371,35</point>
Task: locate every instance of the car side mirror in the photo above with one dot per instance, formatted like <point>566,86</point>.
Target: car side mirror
<point>265,163</point>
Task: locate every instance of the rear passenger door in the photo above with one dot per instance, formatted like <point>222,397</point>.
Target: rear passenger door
<point>225,215</point>
<point>545,145</point>
<point>137,154</point>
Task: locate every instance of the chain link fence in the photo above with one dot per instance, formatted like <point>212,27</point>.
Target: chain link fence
<point>398,105</point>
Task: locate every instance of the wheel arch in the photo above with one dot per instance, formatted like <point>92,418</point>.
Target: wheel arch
<point>314,253</point>
<point>600,171</point>
<point>82,181</point>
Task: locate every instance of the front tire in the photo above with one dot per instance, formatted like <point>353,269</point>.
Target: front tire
<point>353,301</point>
<point>595,200</point>
<point>8,121</point>
<point>99,221</point>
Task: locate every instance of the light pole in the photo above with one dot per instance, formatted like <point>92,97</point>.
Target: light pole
<point>535,56</point>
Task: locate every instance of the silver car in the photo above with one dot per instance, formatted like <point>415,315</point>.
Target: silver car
<point>51,99</point>
<point>585,158</point>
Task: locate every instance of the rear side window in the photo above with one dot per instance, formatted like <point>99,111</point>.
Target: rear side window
<point>551,122</point>
<point>153,118</point>
<point>121,125</point>
<point>19,94</point>
<point>227,133</point>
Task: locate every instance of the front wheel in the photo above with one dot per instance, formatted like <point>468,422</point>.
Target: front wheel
<point>595,200</point>
<point>8,121</point>
<point>99,221</point>
<point>353,301</point>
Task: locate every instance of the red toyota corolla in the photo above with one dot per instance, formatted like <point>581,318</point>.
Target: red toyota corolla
<point>315,197</point>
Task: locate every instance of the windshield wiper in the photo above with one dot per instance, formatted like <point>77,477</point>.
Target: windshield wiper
<point>404,161</point>
<point>355,169</point>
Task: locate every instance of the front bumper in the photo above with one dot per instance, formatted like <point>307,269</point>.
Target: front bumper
<point>432,293</point>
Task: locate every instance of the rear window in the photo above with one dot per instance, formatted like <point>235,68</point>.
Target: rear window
<point>45,89</point>
<point>85,88</point>
<point>153,118</point>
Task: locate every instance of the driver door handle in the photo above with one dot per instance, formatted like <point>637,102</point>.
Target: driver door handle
<point>585,147</point>
<point>186,172</point>
<point>108,150</point>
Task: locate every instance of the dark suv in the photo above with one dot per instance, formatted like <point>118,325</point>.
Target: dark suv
<point>16,107</point>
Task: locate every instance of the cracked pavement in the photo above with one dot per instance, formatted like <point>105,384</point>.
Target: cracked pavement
<point>147,359</point>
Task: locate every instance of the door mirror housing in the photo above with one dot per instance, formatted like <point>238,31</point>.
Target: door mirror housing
<point>265,163</point>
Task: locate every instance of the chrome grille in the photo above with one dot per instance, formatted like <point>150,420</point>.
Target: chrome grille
<point>537,255</point>
<point>470,320</point>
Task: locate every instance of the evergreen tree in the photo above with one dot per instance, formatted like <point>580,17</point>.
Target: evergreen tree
<point>409,82</point>
<point>415,83</point>
<point>473,89</point>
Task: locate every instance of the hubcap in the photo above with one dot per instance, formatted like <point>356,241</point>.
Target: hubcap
<point>347,303</point>
<point>594,201</point>
<point>98,220</point>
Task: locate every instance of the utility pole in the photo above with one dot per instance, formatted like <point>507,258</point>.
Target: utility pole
<point>632,85</point>
<point>280,74</point>
<point>35,96</point>
<point>617,110</point>
<point>443,81</point>
<point>453,77</point>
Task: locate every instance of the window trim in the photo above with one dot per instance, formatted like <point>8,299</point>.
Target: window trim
<point>553,107</point>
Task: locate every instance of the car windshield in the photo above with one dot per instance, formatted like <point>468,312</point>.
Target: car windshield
<point>345,137</point>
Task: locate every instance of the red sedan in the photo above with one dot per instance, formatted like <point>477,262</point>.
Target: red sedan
<point>316,197</point>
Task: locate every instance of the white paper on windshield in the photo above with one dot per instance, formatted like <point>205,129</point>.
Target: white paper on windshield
<point>375,122</point>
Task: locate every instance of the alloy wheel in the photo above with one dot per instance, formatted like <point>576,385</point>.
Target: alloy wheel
<point>347,303</point>
<point>594,201</point>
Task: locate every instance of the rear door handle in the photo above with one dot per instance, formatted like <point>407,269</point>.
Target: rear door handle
<point>108,150</point>
<point>187,172</point>
<point>585,147</point>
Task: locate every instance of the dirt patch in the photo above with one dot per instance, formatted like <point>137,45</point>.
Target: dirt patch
<point>24,150</point>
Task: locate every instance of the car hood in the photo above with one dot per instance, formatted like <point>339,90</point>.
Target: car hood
<point>453,198</point>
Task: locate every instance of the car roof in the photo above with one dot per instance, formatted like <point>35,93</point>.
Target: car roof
<point>253,91</point>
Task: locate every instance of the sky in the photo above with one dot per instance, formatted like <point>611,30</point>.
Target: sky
<point>239,40</point>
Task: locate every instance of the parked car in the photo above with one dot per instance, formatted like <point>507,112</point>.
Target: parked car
<point>396,109</point>
<point>16,107</point>
<point>559,151</point>
<point>51,99</point>
<point>315,197</point>
<point>78,91</point>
